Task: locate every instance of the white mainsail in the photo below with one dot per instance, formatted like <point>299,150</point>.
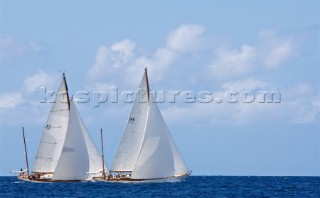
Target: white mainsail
<point>131,142</point>
<point>54,133</point>
<point>154,155</point>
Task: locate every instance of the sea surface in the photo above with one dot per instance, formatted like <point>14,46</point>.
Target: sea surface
<point>194,186</point>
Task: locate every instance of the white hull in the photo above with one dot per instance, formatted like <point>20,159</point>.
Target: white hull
<point>28,180</point>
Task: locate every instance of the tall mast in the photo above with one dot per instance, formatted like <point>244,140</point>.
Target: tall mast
<point>25,150</point>
<point>147,81</point>
<point>67,92</point>
<point>103,171</point>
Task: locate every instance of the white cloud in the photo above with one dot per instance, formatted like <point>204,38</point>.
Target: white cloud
<point>248,84</point>
<point>25,94</point>
<point>16,106</point>
<point>121,64</point>
<point>186,38</point>
<point>275,50</point>
<point>229,63</point>
<point>120,59</point>
<point>101,61</point>
<point>271,52</point>
<point>99,86</point>
<point>123,50</point>
<point>302,107</point>
<point>158,64</point>
<point>11,100</point>
<point>40,79</point>
<point>109,59</point>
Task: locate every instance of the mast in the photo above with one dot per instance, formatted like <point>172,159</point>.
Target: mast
<point>103,171</point>
<point>147,81</point>
<point>25,150</point>
<point>67,92</point>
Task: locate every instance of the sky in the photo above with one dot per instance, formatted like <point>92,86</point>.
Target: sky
<point>234,50</point>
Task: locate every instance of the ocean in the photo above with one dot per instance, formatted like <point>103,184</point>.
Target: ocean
<point>194,186</point>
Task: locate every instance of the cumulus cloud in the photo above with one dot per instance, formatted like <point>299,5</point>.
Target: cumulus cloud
<point>27,92</point>
<point>17,106</point>
<point>186,38</point>
<point>248,84</point>
<point>158,64</point>
<point>299,104</point>
<point>274,49</point>
<point>233,66</point>
<point>109,59</point>
<point>229,63</point>
<point>37,80</point>
<point>270,53</point>
<point>11,100</point>
<point>121,59</point>
<point>123,50</point>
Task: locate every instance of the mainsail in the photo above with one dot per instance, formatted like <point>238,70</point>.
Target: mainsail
<point>54,133</point>
<point>147,146</point>
<point>131,142</point>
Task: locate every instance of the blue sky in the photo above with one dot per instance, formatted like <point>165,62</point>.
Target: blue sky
<point>193,46</point>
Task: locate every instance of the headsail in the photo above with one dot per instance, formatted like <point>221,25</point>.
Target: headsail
<point>54,133</point>
<point>156,158</point>
<point>159,156</point>
<point>74,160</point>
<point>95,159</point>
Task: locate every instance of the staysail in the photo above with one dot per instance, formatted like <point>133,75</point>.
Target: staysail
<point>54,133</point>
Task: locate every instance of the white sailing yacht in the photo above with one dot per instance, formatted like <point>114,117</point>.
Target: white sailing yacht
<point>66,151</point>
<point>147,150</point>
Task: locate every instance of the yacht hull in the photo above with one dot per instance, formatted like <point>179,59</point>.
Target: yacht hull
<point>156,180</point>
<point>47,180</point>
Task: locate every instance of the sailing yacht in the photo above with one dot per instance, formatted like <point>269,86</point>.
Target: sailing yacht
<point>147,151</point>
<point>66,151</point>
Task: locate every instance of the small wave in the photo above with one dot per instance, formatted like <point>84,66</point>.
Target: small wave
<point>18,182</point>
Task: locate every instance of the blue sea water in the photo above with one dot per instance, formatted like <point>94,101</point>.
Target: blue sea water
<point>194,186</point>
